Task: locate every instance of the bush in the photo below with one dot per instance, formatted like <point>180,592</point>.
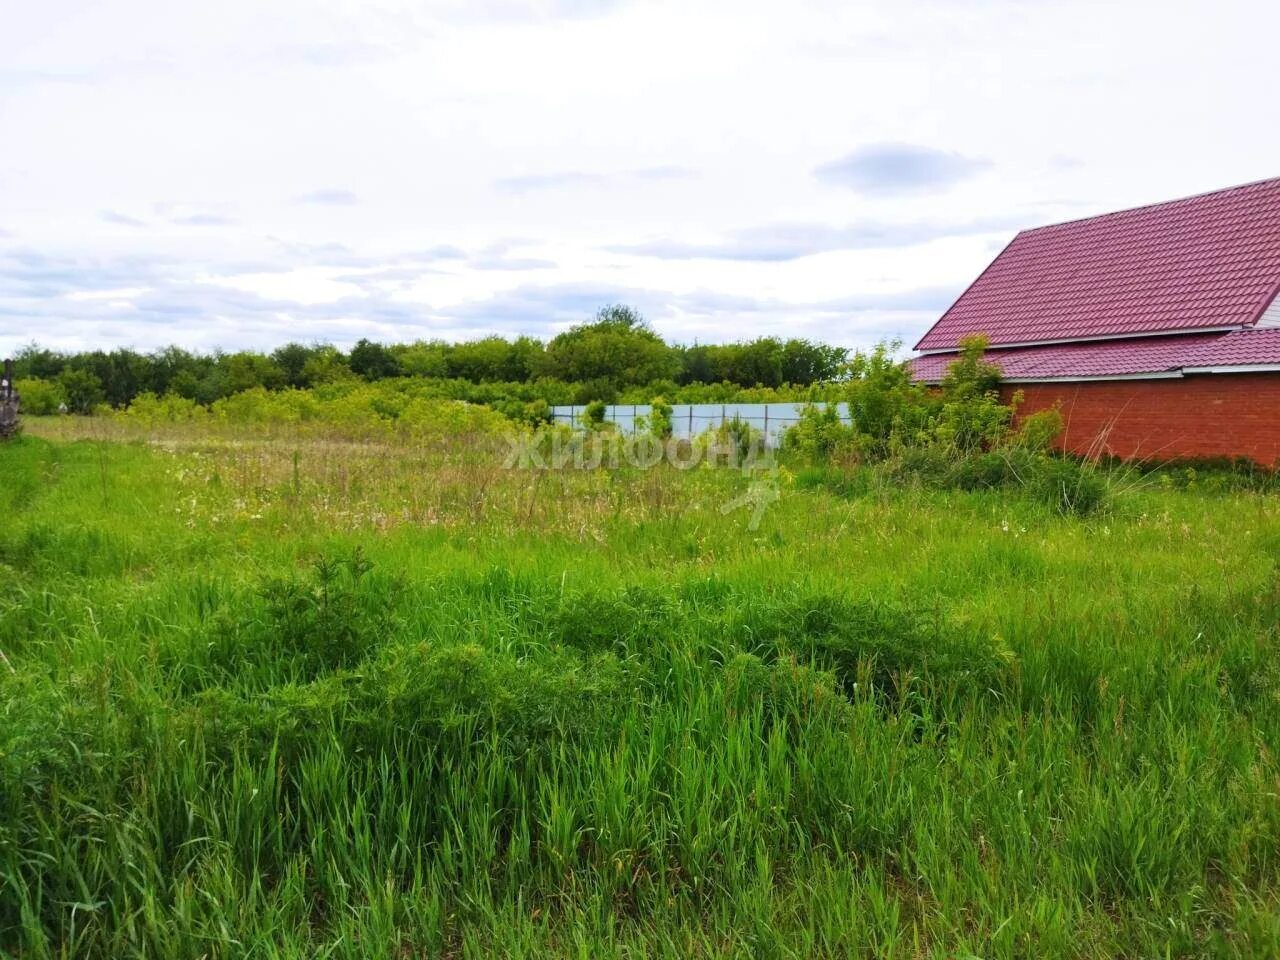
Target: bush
<point>81,390</point>
<point>737,438</point>
<point>886,405</point>
<point>958,437</point>
<point>593,416</point>
<point>1038,431</point>
<point>660,424</point>
<point>40,398</point>
<point>171,408</point>
<point>820,434</point>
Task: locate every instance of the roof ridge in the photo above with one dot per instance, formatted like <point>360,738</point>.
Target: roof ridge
<point>1152,206</point>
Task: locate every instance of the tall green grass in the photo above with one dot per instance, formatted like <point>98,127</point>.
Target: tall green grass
<point>360,703</point>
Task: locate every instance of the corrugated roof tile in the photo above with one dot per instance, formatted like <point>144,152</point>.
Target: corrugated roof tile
<point>1210,261</point>
<point>1120,358</point>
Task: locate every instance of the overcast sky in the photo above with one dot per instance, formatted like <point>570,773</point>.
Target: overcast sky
<point>242,173</point>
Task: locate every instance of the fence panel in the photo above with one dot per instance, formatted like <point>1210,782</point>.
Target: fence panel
<point>690,419</point>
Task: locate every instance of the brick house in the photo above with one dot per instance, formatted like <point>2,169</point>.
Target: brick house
<point>1155,330</point>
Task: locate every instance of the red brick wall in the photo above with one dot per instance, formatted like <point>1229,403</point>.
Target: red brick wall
<point>1206,415</point>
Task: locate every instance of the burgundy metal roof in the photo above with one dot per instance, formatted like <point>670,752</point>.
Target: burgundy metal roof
<point>1172,355</point>
<point>1211,261</point>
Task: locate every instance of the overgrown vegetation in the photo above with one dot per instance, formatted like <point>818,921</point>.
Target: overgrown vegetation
<point>959,436</point>
<point>615,357</point>
<point>387,698</point>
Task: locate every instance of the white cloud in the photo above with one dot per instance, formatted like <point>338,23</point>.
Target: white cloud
<point>245,173</point>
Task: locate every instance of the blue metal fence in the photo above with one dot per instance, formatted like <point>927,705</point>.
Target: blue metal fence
<point>690,419</point>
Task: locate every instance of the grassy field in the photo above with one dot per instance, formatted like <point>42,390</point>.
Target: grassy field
<point>332,699</point>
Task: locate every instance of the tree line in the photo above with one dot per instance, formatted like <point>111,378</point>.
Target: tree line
<point>601,359</point>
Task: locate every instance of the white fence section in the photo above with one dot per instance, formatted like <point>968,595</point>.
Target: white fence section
<point>690,419</point>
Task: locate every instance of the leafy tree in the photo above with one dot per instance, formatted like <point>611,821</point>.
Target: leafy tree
<point>36,363</point>
<point>248,370</point>
<point>482,361</point>
<point>618,347</point>
<point>81,389</point>
<point>185,384</point>
<point>758,363</point>
<point>525,360</point>
<point>174,370</point>
<point>292,360</point>
<point>127,374</point>
<point>804,363</point>
<point>373,361</point>
<point>327,365</point>
<point>696,365</point>
<point>422,359</point>
<point>766,362</point>
<point>214,385</point>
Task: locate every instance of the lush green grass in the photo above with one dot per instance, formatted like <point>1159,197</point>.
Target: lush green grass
<point>337,700</point>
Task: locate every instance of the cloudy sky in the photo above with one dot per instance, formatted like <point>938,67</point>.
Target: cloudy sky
<point>247,172</point>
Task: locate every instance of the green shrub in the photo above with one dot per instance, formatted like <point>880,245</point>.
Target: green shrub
<point>737,438</point>
<point>886,405</point>
<point>660,424</point>
<point>820,435</point>
<point>40,398</point>
<point>149,409</point>
<point>81,390</point>
<point>1039,430</point>
<point>593,415</point>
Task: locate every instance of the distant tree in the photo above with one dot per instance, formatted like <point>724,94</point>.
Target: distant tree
<point>173,367</point>
<point>326,365</point>
<point>128,374</point>
<point>186,384</point>
<point>292,360</point>
<point>526,359</point>
<point>695,365</point>
<point>617,347</point>
<point>489,359</point>
<point>81,390</point>
<point>758,363</point>
<point>372,361</point>
<point>214,385</point>
<point>804,363</point>
<point>247,370</point>
<point>96,362</point>
<point>422,359</point>
<point>601,388</point>
<point>37,363</point>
